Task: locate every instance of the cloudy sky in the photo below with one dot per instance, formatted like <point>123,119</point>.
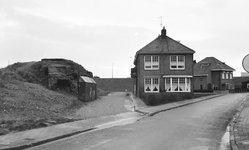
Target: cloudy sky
<point>105,34</point>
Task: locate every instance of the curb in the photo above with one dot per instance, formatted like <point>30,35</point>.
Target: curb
<point>180,105</point>
<point>233,144</point>
<point>21,147</point>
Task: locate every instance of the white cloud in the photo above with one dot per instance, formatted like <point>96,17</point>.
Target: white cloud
<point>104,32</point>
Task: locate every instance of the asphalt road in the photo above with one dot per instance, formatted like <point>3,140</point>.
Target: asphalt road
<point>198,126</point>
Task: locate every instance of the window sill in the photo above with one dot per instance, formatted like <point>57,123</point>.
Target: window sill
<point>177,68</point>
<point>151,69</point>
<point>177,91</point>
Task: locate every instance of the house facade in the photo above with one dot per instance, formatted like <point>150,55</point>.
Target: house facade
<point>164,66</point>
<point>212,74</point>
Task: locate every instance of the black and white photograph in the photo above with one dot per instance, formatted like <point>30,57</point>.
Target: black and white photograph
<point>124,75</point>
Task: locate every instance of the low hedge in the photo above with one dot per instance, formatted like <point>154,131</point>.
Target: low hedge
<point>153,99</point>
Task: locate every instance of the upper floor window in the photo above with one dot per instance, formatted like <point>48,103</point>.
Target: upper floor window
<point>227,75</point>
<point>177,62</point>
<point>151,62</point>
<point>223,75</point>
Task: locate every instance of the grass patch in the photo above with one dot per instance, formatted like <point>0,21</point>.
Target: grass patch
<point>22,125</point>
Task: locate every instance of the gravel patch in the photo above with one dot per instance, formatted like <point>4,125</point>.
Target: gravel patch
<point>111,104</point>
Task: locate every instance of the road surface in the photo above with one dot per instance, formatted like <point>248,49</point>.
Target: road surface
<point>198,126</point>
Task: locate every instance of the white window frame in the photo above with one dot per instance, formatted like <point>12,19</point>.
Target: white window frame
<point>231,75</point>
<point>178,84</point>
<point>151,83</point>
<point>227,75</point>
<point>177,62</point>
<point>223,75</point>
<point>151,62</point>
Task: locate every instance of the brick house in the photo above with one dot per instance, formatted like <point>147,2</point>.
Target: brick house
<point>163,66</point>
<point>212,74</point>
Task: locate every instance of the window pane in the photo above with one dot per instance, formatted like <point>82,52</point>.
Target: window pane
<point>155,84</point>
<point>151,62</point>
<point>151,84</point>
<point>174,80</point>
<point>167,80</point>
<point>167,85</point>
<point>155,58</point>
<point>173,58</point>
<point>181,58</point>
<point>155,88</point>
<point>147,88</point>
<point>181,80</point>
<point>147,81</point>
<point>227,75</point>
<point>147,58</point>
<point>188,85</point>
<point>177,62</point>
<point>181,84</point>
<point>174,84</point>
<point>155,80</point>
<point>147,84</point>
<point>177,85</point>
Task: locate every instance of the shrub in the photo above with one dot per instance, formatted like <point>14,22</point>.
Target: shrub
<point>168,97</point>
<point>153,99</point>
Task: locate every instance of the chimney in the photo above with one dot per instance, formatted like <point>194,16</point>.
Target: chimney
<point>163,33</point>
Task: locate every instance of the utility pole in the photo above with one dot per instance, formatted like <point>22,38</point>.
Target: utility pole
<point>161,24</point>
<point>131,61</point>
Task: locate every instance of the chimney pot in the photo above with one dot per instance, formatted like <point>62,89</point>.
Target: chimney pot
<point>163,33</point>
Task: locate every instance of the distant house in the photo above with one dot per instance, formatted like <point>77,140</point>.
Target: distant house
<point>241,84</point>
<point>163,66</point>
<point>213,74</point>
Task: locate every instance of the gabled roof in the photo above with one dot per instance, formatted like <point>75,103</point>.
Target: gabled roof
<point>210,64</point>
<point>164,45</point>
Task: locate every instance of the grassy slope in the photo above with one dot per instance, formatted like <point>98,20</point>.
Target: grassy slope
<point>25,105</point>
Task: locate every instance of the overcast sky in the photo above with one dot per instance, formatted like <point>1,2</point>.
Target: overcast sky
<point>99,34</point>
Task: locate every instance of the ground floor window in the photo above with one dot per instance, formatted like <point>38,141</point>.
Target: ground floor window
<point>151,84</point>
<point>174,84</point>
